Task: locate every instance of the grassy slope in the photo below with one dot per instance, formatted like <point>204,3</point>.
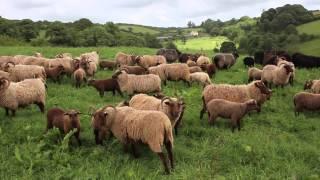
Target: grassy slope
<point>205,43</point>
<point>139,29</point>
<point>310,28</point>
<point>273,144</point>
<point>311,47</point>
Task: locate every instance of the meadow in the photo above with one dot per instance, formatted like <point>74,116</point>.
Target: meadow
<point>202,43</point>
<point>274,144</point>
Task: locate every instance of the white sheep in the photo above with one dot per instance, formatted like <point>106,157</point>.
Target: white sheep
<point>91,56</point>
<point>200,77</point>
<point>293,73</point>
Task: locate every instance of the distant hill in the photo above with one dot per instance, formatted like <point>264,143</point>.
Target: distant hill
<point>310,28</point>
<point>135,28</point>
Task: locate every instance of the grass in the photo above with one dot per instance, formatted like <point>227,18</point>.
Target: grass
<point>271,145</point>
<point>310,28</point>
<point>139,29</point>
<point>203,43</point>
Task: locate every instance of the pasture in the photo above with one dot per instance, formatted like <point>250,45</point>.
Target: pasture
<point>310,28</point>
<point>274,144</point>
<point>202,43</point>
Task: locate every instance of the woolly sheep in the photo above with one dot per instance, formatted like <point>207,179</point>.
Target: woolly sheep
<point>254,74</point>
<point>22,72</point>
<point>195,69</point>
<point>91,56</point>
<point>14,95</point>
<point>232,110</point>
<point>107,64</point>
<point>131,83</point>
<point>313,85</point>
<point>137,70</point>
<point>292,74</point>
<point>63,55</point>
<point>191,63</point>
<point>203,60</point>
<point>54,73</point>
<point>147,61</point>
<point>248,61</point>
<point>153,128</point>
<point>200,77</point>
<point>172,107</point>
<point>79,76</point>
<point>210,69</point>
<point>306,101</point>
<point>98,124</point>
<point>236,93</point>
<point>65,121</point>
<point>272,74</point>
<point>66,62</point>
<point>4,74</point>
<point>176,72</point>
<point>125,59</point>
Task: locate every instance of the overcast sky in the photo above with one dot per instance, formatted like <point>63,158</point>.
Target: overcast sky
<point>162,13</point>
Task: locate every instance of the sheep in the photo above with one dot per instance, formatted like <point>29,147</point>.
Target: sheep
<point>301,60</point>
<point>107,64</point>
<point>79,76</point>
<point>236,93</point>
<point>292,74</point>
<point>200,77</point>
<point>172,107</point>
<point>91,56</point>
<point>131,126</point>
<point>306,101</point>
<point>171,55</point>
<point>4,74</point>
<point>65,121</point>
<point>147,61</point>
<point>14,95</point>
<point>125,59</point>
<point>137,70</point>
<point>66,62</point>
<point>203,60</point>
<point>195,69</point>
<point>224,60</point>
<point>228,109</point>
<point>92,69</point>
<point>131,83</point>
<point>104,85</point>
<point>313,85</point>
<point>254,74</point>
<point>98,124</point>
<point>22,72</point>
<point>272,74</point>
<point>191,63</point>
<point>210,69</point>
<point>63,55</point>
<point>54,73</point>
<point>184,57</point>
<point>248,61</point>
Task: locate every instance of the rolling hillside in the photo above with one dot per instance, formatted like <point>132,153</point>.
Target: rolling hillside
<point>202,43</point>
<point>310,47</point>
<point>310,28</point>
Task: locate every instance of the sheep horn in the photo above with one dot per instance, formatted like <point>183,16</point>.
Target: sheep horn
<point>163,99</point>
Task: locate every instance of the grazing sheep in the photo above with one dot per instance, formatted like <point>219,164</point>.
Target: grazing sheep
<point>66,62</point>
<point>172,107</point>
<point>65,121</point>
<point>272,74</point>
<point>224,60</point>
<point>171,55</point>
<point>306,101</point>
<point>137,70</point>
<point>292,74</point>
<point>107,64</point>
<point>254,74</point>
<point>195,69</point>
<point>125,59</point>
<point>232,110</point>
<point>305,61</point>
<point>191,63</point>
<point>248,61</point>
<point>22,72</point>
<point>131,126</point>
<point>14,95</point>
<point>203,60</point>
<point>236,93</point>
<point>147,61</point>
<point>210,69</point>
<point>313,85</point>
<point>91,56</point>
<point>200,77</point>
<point>105,85</point>
<point>79,76</point>
<point>55,73</point>
<point>131,83</point>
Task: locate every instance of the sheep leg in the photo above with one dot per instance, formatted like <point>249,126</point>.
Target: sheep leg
<point>119,91</point>
<point>250,79</point>
<point>101,93</point>
<point>204,108</point>
<point>134,150</point>
<point>13,112</point>
<point>239,125</point>
<point>212,119</point>
<point>233,124</point>
<point>41,106</point>
<point>164,162</point>
<point>77,135</point>
<point>165,82</point>
<point>7,111</point>
<point>170,154</point>
<point>113,92</point>
<point>96,136</point>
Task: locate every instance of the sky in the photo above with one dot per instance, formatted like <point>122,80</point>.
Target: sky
<point>161,13</point>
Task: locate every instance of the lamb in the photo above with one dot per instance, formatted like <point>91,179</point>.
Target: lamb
<point>210,69</point>
<point>195,69</point>
<point>55,73</point>
<point>125,59</point>
<point>200,77</point>
<point>131,126</point>
<point>313,85</point>
<point>79,76</point>
<point>203,60</point>
<point>306,101</point>
<point>191,63</point>
<point>22,72</point>
<point>272,74</point>
<point>248,61</point>
<point>131,83</point>
<point>91,56</point>
<point>232,110</point>
<point>105,85</point>
<point>172,107</point>
<point>236,93</point>
<point>254,74</point>
<point>137,70</point>
<point>65,121</point>
<point>14,95</point>
<point>147,61</point>
<point>107,64</point>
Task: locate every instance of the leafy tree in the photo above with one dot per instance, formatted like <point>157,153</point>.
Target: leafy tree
<point>58,34</point>
<point>95,36</point>
<point>82,24</point>
<point>27,29</point>
<point>152,41</point>
<point>170,45</point>
<point>228,47</point>
<point>191,24</point>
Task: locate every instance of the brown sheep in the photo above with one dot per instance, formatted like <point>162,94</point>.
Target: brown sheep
<point>210,69</point>
<point>55,73</point>
<point>98,124</point>
<point>137,70</point>
<point>65,121</point>
<point>79,75</point>
<point>106,85</point>
<point>107,64</point>
<point>306,101</point>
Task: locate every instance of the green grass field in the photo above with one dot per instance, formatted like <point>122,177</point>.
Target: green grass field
<point>310,28</point>
<point>139,29</point>
<point>202,43</point>
<point>271,145</point>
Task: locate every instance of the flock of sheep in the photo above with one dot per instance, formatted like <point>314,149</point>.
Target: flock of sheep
<point>148,119</point>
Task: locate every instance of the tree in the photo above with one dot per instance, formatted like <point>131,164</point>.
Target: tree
<point>112,28</point>
<point>82,24</point>
<point>228,47</point>
<point>27,30</point>
<point>170,45</point>
<point>58,34</point>
<point>95,36</point>
<point>152,41</point>
<point>191,24</point>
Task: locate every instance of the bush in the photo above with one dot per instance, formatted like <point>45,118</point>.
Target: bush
<point>39,42</point>
<point>9,41</point>
<point>228,47</point>
<point>170,45</point>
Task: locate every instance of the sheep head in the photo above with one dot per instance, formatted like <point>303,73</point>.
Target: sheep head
<point>288,68</point>
<point>263,88</point>
<point>308,84</point>
<point>73,115</point>
<point>8,65</point>
<point>118,73</point>
<point>252,105</point>
<point>91,81</point>
<point>174,106</point>
<point>4,83</point>
<point>109,113</point>
<point>137,59</point>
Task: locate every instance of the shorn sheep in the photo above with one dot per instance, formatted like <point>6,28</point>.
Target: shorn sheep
<point>254,74</point>
<point>14,95</point>
<point>200,77</point>
<point>125,59</point>
<point>131,83</point>
<point>65,121</point>
<point>147,61</point>
<point>107,64</point>
<point>131,126</point>
<point>236,93</point>
<point>313,85</point>
<point>306,101</point>
<point>172,107</point>
<point>232,110</point>
<point>104,85</point>
<point>276,75</point>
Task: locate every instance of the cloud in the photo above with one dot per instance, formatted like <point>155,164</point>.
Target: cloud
<point>32,4</point>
